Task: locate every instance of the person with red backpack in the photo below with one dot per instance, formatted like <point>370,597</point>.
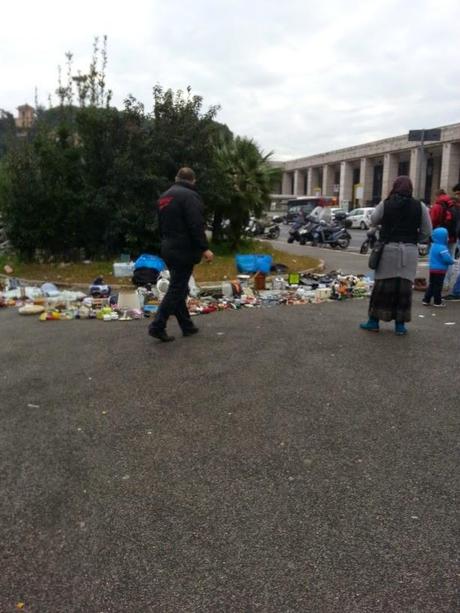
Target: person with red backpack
<point>445,214</point>
<point>455,293</point>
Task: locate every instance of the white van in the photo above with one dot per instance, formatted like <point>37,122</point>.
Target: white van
<point>360,218</point>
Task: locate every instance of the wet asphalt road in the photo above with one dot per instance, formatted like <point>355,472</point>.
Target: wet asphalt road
<point>280,461</point>
<point>357,237</point>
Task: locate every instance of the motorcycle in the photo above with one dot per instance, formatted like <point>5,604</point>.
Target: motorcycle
<point>294,231</point>
<point>367,244</point>
<point>307,232</point>
<point>370,240</point>
<point>335,235</point>
<point>265,230</point>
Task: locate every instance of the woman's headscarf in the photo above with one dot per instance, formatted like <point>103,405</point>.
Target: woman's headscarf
<point>402,186</point>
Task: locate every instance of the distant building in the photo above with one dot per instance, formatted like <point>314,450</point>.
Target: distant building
<point>25,117</point>
<point>362,175</point>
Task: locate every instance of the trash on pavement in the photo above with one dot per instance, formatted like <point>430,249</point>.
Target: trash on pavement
<point>247,290</point>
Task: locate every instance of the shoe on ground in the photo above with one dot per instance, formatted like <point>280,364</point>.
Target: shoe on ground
<point>161,335</point>
<point>400,329</point>
<point>441,305</point>
<point>190,331</point>
<point>425,303</point>
<point>370,326</point>
<point>452,298</point>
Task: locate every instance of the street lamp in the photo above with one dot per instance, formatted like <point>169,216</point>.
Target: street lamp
<point>421,136</point>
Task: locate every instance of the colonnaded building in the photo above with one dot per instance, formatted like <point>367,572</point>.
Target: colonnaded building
<point>362,175</point>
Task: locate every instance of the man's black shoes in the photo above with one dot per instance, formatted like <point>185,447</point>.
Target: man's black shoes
<point>161,335</point>
<point>189,331</point>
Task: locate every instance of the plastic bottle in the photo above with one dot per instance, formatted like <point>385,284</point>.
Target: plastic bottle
<point>259,281</point>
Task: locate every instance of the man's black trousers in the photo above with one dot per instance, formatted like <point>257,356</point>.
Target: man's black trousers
<point>174,302</point>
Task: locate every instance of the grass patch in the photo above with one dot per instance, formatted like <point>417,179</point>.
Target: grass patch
<point>222,266</point>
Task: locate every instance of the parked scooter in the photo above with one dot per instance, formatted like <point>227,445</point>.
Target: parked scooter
<point>308,230</point>
<point>335,235</point>
<point>268,230</point>
<point>368,243</point>
<point>371,238</point>
<point>295,229</point>
<point>294,232</point>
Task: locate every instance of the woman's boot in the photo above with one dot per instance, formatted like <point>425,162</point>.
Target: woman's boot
<point>371,325</point>
<point>400,328</point>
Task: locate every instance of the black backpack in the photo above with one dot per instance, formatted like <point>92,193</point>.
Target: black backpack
<point>145,276</point>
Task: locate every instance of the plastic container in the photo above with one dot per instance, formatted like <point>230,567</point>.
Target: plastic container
<point>227,290</point>
<point>278,283</point>
<point>123,269</point>
<point>252,263</point>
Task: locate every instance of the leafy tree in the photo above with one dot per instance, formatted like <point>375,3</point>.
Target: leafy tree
<point>184,134</point>
<point>120,181</point>
<point>247,180</point>
<point>41,195</point>
<point>88,174</point>
<point>7,131</point>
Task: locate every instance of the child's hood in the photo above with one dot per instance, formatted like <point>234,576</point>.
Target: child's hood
<point>440,236</point>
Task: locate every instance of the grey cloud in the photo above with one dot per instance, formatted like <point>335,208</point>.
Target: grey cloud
<point>299,77</point>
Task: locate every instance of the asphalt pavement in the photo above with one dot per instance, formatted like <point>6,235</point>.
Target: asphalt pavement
<point>349,261</point>
<point>280,461</point>
<point>357,237</point>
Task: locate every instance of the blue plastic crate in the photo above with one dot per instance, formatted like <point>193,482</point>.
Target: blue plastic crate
<point>247,263</point>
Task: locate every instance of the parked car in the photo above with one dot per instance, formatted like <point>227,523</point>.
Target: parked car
<point>335,210</point>
<point>360,218</point>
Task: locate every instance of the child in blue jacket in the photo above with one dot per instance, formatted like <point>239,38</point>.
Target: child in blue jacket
<point>440,260</point>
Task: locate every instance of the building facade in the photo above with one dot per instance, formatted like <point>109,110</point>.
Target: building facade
<point>362,175</point>
<point>25,117</point>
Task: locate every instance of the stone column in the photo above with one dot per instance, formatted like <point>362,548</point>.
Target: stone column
<point>286,183</point>
<point>390,172</point>
<point>310,181</point>
<point>418,171</point>
<point>346,182</point>
<point>328,180</point>
<point>299,183</point>
<point>366,176</point>
<point>315,180</point>
<point>296,183</point>
<point>450,166</point>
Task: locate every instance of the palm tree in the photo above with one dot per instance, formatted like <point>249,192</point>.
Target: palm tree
<point>248,180</point>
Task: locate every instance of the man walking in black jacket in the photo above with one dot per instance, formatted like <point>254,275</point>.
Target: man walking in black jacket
<point>183,244</point>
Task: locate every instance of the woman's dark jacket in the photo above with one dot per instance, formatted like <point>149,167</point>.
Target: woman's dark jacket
<point>401,220</point>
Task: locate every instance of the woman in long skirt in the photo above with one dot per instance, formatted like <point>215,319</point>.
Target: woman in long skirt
<point>403,223</point>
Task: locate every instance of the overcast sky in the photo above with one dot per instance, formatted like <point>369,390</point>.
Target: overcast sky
<point>298,76</point>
